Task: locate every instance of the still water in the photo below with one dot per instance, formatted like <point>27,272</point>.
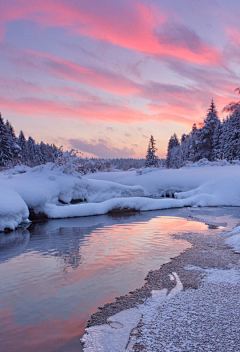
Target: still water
<point>55,274</point>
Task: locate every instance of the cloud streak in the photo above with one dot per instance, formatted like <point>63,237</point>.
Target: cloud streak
<point>128,24</point>
<point>101,149</point>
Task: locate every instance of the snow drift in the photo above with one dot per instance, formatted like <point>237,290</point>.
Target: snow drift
<point>51,191</point>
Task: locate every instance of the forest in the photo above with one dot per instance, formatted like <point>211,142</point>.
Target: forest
<point>215,140</point>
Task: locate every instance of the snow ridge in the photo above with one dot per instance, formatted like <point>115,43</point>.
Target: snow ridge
<point>51,191</point>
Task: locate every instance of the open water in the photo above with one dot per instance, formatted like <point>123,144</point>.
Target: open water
<point>55,274</point>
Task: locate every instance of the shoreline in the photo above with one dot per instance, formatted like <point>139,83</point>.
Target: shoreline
<point>207,251</point>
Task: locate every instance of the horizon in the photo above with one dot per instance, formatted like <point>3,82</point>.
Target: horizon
<point>103,77</point>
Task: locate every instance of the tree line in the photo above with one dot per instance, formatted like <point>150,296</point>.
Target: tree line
<point>19,150</point>
<point>215,140</point>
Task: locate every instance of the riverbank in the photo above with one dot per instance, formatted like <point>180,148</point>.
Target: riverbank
<point>56,193</point>
<point>208,273</point>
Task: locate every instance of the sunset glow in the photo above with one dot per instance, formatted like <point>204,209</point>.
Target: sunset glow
<point>111,73</point>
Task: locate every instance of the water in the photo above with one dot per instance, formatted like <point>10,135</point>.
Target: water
<point>55,275</point>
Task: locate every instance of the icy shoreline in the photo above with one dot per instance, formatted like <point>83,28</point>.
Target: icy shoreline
<point>200,280</point>
<point>50,191</point>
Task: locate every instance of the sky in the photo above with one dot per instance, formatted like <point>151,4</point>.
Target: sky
<point>102,76</point>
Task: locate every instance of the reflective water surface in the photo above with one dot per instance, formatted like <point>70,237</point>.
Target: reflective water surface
<point>55,274</point>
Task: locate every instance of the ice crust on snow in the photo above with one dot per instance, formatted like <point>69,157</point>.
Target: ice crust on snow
<point>42,188</point>
<point>189,322</point>
<point>119,335</point>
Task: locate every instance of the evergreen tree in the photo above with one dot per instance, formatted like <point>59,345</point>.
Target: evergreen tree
<point>206,142</point>
<point>21,141</point>
<point>231,136</point>
<point>174,153</point>
<point>151,158</point>
<point>217,142</point>
<point>31,156</point>
<point>12,140</point>
<point>2,126</point>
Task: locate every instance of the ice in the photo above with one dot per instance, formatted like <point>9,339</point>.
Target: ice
<point>119,335</point>
<point>113,336</point>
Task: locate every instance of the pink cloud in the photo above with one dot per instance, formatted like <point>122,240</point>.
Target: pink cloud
<point>68,70</point>
<point>14,86</point>
<point>128,24</point>
<point>178,114</point>
<point>90,112</point>
<point>94,111</point>
<point>2,33</point>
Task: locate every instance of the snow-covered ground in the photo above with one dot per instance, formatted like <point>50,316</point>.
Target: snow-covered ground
<point>44,189</point>
<point>195,320</point>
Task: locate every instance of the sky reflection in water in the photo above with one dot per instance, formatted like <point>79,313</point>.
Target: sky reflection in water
<point>54,277</point>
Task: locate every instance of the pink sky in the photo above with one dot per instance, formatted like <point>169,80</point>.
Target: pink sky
<point>102,76</point>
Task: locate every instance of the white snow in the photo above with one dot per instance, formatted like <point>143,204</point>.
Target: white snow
<point>205,319</point>
<point>42,187</point>
<point>182,323</point>
<point>13,210</point>
<point>234,239</point>
<point>119,335</point>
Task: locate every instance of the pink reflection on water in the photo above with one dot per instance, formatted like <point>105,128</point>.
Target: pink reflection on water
<point>113,261</point>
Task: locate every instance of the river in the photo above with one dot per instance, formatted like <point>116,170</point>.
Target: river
<point>55,274</point>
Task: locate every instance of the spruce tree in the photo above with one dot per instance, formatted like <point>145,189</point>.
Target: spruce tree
<point>174,153</point>
<point>21,141</point>
<point>31,149</point>
<point>206,143</point>
<point>231,136</point>
<point>151,158</point>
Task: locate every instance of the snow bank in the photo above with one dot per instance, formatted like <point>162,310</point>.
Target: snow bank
<point>13,210</point>
<point>51,191</point>
<point>198,186</point>
<point>136,203</point>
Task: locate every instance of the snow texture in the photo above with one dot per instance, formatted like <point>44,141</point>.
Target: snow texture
<point>206,319</point>
<point>49,190</point>
<point>195,320</point>
<point>13,210</point>
<point>119,334</point>
<point>234,239</point>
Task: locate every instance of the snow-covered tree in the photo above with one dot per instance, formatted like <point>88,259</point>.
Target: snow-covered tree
<point>151,158</point>
<point>206,140</point>
<point>174,153</point>
<point>230,138</point>
<point>14,147</point>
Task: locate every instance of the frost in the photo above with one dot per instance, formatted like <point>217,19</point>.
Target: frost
<point>119,335</point>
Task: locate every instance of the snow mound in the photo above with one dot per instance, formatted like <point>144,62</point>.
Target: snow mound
<point>54,192</point>
<point>206,162</point>
<point>13,210</point>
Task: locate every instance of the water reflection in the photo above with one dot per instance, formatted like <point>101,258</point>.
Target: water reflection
<point>13,244</point>
<point>54,276</point>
